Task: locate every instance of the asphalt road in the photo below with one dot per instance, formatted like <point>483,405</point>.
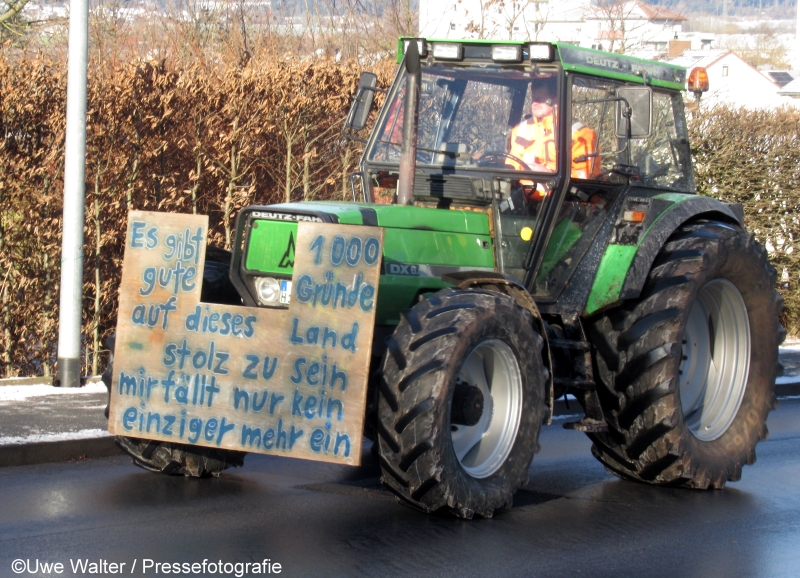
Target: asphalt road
<point>573,519</point>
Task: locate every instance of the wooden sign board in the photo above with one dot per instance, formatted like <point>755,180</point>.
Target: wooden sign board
<point>289,382</point>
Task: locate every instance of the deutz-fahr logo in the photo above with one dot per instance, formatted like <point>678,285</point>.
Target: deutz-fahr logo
<point>599,61</point>
<point>402,269</point>
<point>285,217</point>
<point>288,257</point>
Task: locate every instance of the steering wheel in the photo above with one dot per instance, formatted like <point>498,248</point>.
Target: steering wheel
<point>496,154</point>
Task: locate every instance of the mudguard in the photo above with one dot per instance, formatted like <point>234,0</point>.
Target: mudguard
<point>671,219</point>
<point>515,289</point>
<point>626,262</point>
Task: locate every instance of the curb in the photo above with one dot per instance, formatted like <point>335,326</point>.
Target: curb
<point>58,451</point>
<point>45,380</point>
<point>26,381</point>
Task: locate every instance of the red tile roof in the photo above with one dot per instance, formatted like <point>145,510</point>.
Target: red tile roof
<point>657,13</point>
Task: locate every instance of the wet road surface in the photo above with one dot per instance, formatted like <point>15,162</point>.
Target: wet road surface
<point>574,519</point>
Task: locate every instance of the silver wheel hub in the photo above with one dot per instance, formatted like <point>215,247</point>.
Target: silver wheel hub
<point>715,360</point>
<point>483,448</point>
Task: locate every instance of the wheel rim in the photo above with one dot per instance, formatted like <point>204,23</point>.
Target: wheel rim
<point>715,360</point>
<point>482,449</point>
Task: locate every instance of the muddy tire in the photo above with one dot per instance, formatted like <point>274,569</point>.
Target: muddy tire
<point>184,459</point>
<point>687,371</point>
<point>179,459</point>
<point>217,286</point>
<point>461,402</point>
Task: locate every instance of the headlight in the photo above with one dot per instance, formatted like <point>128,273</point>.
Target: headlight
<point>268,290</point>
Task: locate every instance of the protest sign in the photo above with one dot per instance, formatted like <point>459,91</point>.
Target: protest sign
<point>283,381</point>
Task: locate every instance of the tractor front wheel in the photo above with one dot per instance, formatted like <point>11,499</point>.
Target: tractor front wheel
<point>184,459</point>
<point>461,402</point>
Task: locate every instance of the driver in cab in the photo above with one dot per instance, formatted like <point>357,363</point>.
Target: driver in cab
<point>533,141</point>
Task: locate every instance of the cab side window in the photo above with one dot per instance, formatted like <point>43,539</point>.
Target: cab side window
<point>663,158</point>
<point>597,119</point>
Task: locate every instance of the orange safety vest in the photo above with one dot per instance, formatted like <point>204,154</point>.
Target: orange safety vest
<point>584,142</point>
<point>533,141</point>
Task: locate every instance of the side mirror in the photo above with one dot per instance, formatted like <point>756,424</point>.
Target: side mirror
<point>638,110</point>
<point>365,94</point>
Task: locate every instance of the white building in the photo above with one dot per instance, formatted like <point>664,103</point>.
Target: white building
<point>625,27</point>
<point>791,90</point>
<point>732,81</point>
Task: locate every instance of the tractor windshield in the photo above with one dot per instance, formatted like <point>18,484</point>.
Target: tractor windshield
<point>503,118</point>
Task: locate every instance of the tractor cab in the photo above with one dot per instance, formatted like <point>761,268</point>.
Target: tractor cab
<point>543,137</point>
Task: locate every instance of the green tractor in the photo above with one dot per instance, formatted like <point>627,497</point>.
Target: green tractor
<point>528,257</point>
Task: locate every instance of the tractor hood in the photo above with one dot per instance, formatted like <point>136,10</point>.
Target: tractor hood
<point>392,216</point>
<point>420,246</point>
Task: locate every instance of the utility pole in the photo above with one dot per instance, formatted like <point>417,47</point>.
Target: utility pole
<point>69,316</point>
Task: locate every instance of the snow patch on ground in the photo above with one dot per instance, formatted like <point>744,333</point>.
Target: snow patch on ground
<point>53,437</point>
<point>787,379</point>
<point>21,392</point>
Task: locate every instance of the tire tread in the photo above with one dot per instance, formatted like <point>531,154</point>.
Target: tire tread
<point>637,366</point>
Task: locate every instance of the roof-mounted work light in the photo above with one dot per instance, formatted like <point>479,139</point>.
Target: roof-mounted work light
<point>448,51</point>
<point>541,52</point>
<point>422,46</point>
<point>507,53</point>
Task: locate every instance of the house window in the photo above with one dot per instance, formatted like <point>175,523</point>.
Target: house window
<point>452,26</point>
<point>724,71</point>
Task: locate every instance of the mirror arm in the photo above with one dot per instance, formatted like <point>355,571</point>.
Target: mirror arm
<point>583,158</point>
<point>353,176</point>
<point>627,113</point>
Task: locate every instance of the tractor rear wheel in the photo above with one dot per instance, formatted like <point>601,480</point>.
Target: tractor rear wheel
<point>686,372</point>
<point>184,459</point>
<point>461,402</point>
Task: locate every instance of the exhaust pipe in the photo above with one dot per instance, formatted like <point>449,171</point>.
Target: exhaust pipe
<point>408,148</point>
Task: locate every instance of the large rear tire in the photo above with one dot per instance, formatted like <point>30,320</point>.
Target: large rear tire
<point>183,459</point>
<point>686,373</point>
<point>461,402</point>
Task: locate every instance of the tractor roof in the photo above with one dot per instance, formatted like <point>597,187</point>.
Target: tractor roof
<point>572,58</point>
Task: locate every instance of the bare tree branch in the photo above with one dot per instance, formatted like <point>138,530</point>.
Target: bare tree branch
<point>13,10</point>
